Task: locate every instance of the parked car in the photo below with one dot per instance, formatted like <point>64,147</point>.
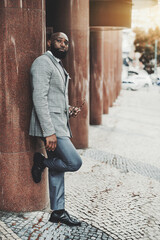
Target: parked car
<point>143,81</point>
<point>130,84</point>
<point>136,80</point>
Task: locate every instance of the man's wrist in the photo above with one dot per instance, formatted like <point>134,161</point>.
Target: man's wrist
<point>51,135</point>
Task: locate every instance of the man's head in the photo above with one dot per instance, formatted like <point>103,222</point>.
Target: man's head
<point>59,44</point>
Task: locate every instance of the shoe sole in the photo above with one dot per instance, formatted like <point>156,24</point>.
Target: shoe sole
<point>34,163</point>
<point>35,180</point>
<point>71,225</point>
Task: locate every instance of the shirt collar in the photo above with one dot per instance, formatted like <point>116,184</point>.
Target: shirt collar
<point>57,59</point>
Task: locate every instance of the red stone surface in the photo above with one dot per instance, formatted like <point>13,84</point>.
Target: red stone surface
<point>115,51</point>
<point>106,63</point>
<point>76,26</point>
<point>111,56</point>
<point>112,67</point>
<point>112,53</point>
<point>108,69</point>
<point>18,191</point>
<point>29,4</point>
<point>96,77</point>
<point>117,41</point>
<point>119,61</point>
<point>106,72</point>
<point>21,41</point>
<point>117,64</point>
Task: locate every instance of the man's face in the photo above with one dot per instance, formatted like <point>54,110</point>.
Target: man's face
<point>59,45</point>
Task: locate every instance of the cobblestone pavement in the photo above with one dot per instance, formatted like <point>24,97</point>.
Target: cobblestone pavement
<point>35,225</point>
<point>116,193</point>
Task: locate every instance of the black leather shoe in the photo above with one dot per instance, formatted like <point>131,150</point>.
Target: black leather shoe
<point>38,167</point>
<point>65,218</point>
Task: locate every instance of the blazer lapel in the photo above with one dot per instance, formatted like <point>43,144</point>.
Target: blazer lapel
<point>64,73</point>
<point>67,81</point>
<point>57,65</point>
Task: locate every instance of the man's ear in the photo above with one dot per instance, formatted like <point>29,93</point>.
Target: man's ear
<point>48,44</point>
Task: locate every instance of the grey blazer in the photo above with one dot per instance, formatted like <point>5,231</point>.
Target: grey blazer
<point>50,113</point>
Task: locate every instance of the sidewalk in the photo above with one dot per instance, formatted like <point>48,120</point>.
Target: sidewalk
<point>116,193</point>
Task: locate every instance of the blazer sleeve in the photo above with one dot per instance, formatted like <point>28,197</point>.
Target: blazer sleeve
<point>41,73</point>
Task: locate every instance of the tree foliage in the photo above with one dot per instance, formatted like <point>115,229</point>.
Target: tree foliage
<point>145,44</point>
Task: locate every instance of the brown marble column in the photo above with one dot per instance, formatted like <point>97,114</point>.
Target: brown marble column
<point>112,61</point>
<point>74,21</point>
<point>110,16</point>
<point>22,39</point>
<point>110,56</point>
<point>107,69</point>
<point>96,76</point>
<point>106,76</point>
<point>115,63</point>
<point>119,61</point>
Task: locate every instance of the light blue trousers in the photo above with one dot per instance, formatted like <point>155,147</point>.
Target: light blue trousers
<point>64,159</point>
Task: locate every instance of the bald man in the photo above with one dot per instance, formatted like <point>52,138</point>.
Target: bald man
<point>50,124</point>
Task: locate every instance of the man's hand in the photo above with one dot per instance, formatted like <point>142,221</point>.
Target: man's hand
<point>51,142</point>
<point>73,111</point>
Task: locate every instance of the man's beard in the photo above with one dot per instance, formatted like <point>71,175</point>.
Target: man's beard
<point>57,53</point>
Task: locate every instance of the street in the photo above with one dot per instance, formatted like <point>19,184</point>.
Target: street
<point>116,193</point>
